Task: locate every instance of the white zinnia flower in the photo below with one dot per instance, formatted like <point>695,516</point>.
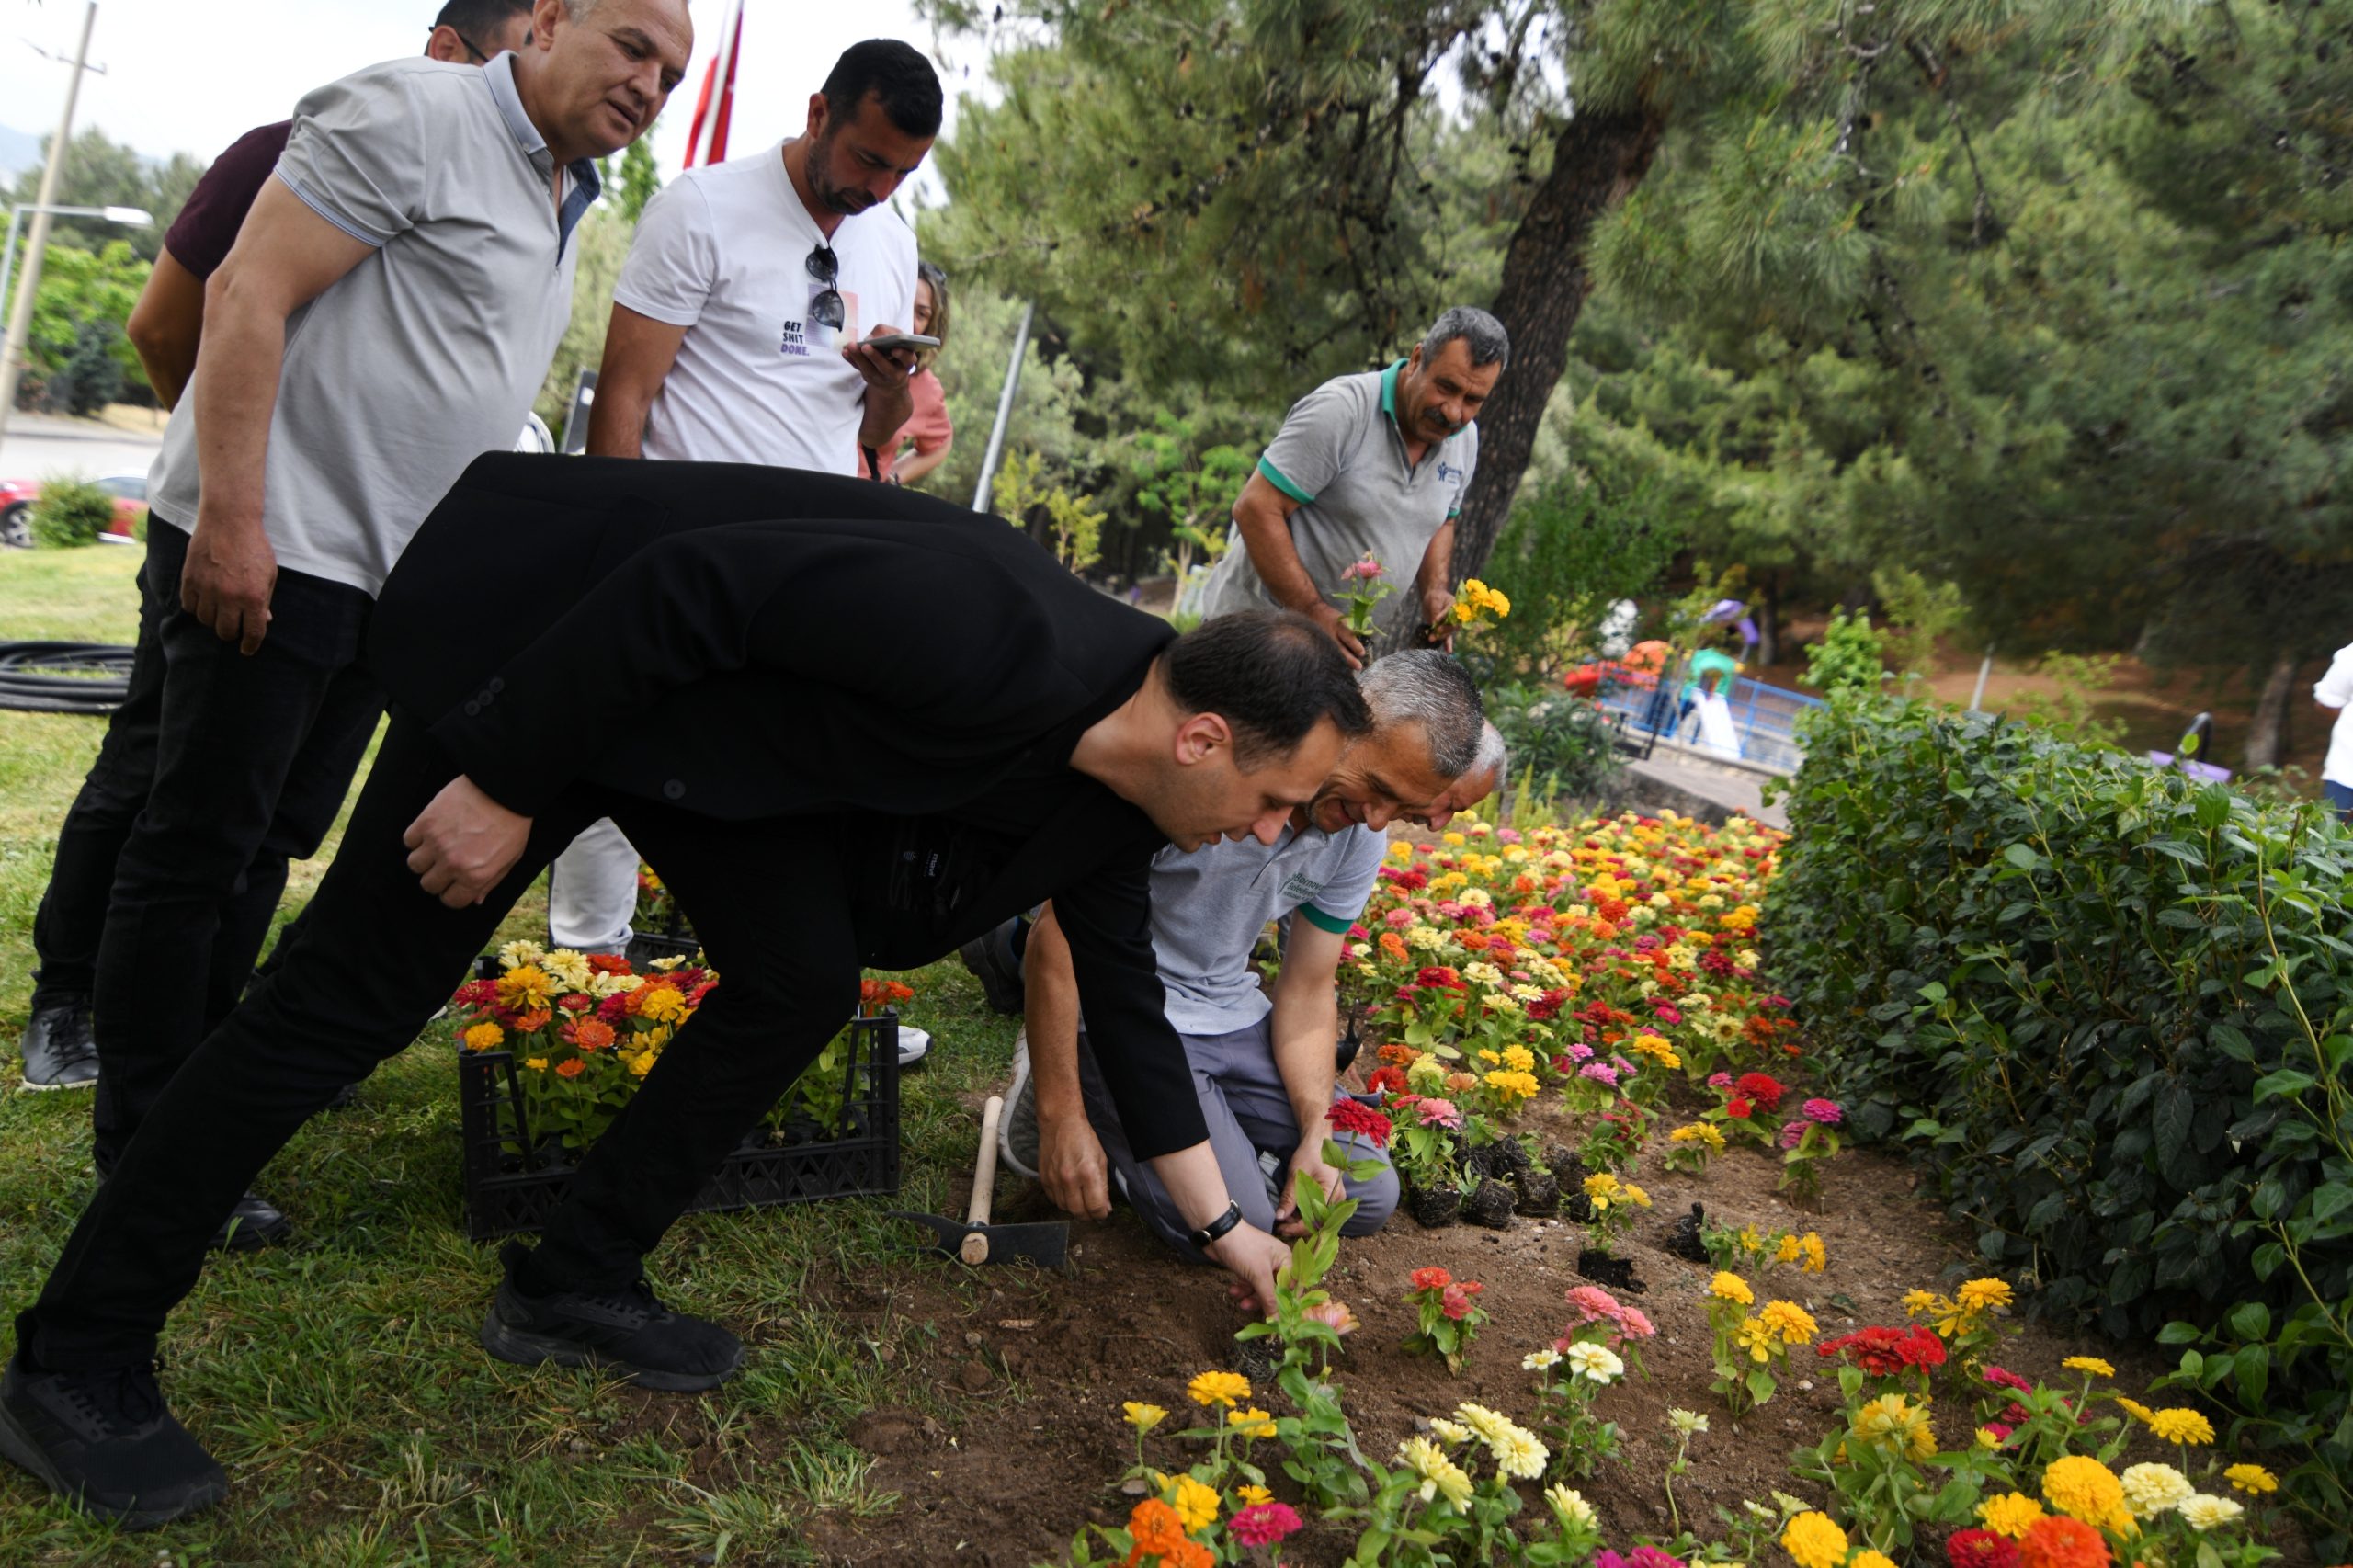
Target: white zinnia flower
<point>1539,1361</point>
<point>2205,1513</point>
<point>2153,1489</point>
<point>1598,1362</point>
<point>1571,1508</point>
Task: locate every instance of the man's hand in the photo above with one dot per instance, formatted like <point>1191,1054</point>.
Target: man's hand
<point>228,579</point>
<point>463,844</point>
<point>1072,1167</point>
<point>889,404</point>
<point>1308,1157</point>
<point>1438,614</point>
<point>1253,1257</point>
<point>1335,627</point>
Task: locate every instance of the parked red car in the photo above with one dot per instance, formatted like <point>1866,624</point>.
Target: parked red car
<point>18,495</point>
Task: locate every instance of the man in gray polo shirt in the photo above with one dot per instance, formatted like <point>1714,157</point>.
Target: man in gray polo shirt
<point>1264,1067</point>
<point>386,316</point>
<point>1377,464</point>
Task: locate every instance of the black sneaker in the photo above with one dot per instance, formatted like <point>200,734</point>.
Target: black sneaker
<point>255,1223</point>
<point>59,1052</point>
<point>628,1331</point>
<point>107,1441</point>
<point>991,958</point>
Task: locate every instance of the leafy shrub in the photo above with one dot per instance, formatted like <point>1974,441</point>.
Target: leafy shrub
<point>2112,1012</point>
<point>1567,553</point>
<point>1848,656</point>
<point>1561,744</point>
<point>69,512</point>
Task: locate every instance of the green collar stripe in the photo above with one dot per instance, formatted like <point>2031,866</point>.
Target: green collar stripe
<point>1274,477</point>
<point>1323,922</point>
<point>1389,391</point>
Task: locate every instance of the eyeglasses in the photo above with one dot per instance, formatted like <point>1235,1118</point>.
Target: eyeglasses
<point>826,310</point>
<point>471,48</point>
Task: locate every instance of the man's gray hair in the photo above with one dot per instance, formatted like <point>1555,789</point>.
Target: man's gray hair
<point>1493,756</point>
<point>1483,334</point>
<point>1424,687</point>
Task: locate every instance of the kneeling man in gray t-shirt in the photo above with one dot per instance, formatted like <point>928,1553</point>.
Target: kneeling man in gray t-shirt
<point>1263,1065</point>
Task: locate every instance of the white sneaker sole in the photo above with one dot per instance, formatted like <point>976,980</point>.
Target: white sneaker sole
<point>1005,1155</point>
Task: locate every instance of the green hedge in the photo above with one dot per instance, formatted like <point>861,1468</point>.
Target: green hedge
<point>2113,1013</point>
<point>71,512</point>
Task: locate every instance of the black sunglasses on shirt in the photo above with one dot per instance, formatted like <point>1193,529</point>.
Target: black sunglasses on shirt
<point>826,308</point>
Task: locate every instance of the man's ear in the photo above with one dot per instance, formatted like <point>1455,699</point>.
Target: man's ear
<point>1200,737</point>
<point>817,109</point>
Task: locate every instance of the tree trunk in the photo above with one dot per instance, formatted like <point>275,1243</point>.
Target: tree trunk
<point>1597,160</point>
<point>2269,729</point>
<point>1769,621</point>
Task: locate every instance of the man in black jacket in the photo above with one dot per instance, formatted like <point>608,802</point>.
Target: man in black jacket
<point>849,726</point>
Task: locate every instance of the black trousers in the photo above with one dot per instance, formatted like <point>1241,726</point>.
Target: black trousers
<point>217,769</point>
<point>786,908</point>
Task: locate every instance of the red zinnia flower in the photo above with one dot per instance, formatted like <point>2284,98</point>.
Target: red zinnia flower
<point>1432,1279</point>
<point>1352,1116</point>
<point>1763,1089</point>
<point>1738,1108</point>
<point>1981,1549</point>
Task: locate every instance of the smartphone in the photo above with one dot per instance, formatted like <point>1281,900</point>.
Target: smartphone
<point>900,340</point>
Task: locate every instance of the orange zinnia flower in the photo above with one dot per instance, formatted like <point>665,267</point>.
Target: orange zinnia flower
<point>589,1034</point>
<point>572,1069</point>
<point>2057,1541</point>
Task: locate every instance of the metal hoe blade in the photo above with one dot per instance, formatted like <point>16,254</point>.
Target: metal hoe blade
<point>1043,1243</point>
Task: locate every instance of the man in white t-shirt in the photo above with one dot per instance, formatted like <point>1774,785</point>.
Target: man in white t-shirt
<point>737,321</point>
<point>2333,692</point>
<point>736,335</point>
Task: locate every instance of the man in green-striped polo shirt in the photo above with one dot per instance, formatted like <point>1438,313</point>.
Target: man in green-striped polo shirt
<point>1374,464</point>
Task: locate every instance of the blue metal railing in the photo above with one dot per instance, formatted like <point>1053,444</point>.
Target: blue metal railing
<point>1764,717</point>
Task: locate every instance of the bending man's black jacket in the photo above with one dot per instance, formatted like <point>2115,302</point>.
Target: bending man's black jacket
<point>745,642</point>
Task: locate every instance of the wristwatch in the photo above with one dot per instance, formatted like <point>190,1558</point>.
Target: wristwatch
<point>1217,1227</point>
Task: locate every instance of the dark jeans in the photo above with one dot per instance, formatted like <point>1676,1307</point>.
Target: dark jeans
<point>782,907</point>
<point>2340,797</point>
<point>216,771</point>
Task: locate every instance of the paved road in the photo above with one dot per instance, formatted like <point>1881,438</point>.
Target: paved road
<point>36,447</point>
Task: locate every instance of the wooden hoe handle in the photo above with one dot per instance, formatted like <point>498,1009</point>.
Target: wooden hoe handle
<point>975,1248</point>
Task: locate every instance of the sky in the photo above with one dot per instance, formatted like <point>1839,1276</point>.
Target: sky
<point>185,75</point>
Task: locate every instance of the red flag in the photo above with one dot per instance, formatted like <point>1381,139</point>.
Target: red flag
<point>707,141</point>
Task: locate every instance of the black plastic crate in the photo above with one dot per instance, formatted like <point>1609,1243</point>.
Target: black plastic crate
<point>508,1192</point>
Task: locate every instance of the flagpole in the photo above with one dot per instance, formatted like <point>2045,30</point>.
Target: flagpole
<point>708,146</point>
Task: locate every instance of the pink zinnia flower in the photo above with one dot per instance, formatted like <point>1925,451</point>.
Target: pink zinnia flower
<point>1824,1111</point>
<point>1667,1015</point>
<point>1580,1052</point>
<point>1437,1112</point>
<point>1792,1132</point>
<point>1265,1524</point>
<point>1600,1073</point>
<point>1719,1080</point>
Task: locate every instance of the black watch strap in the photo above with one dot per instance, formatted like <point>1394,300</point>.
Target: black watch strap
<point>1219,1226</point>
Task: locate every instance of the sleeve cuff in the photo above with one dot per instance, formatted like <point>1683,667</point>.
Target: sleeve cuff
<point>668,315</point>
<point>1324,920</point>
<point>317,204</point>
<point>1274,477</point>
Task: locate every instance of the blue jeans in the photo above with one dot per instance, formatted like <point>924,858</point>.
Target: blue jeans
<point>2340,796</point>
<point>218,770</point>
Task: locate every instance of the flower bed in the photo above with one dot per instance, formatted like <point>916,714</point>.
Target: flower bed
<point>552,1045</point>
<point>1574,1004</point>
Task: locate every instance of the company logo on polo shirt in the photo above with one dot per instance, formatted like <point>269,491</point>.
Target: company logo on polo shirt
<point>1301,889</point>
<point>1447,471</point>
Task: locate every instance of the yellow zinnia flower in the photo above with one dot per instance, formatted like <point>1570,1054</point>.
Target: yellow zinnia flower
<point>1869,1559</point>
<point>1251,1496</point>
<point>1792,1322</point>
<point>2085,1489</point>
<point>1196,1504</point>
<point>1228,1389</point>
<point>1817,1257</point>
<point>1813,1541</point>
<point>485,1036</point>
<point>1981,1296</point>
<point>2178,1426</point>
<point>1727,1287</point>
<point>2010,1514</point>
<point>2133,1407</point>
<point>1143,1417</point>
<point>2092,1364</point>
<point>1252,1423</point>
<point>2252,1479</point>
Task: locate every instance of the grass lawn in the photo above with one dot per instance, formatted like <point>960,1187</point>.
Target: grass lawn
<point>338,1380</point>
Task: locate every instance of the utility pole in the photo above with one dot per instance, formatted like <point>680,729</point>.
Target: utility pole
<point>1004,412</point>
<point>20,320</point>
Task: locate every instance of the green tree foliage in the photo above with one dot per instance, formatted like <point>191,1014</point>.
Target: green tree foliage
<point>603,238</point>
<point>636,180</point>
<point>101,172</point>
<point>1572,547</point>
<point>1848,657</point>
<point>77,357</point>
<point>1188,486</point>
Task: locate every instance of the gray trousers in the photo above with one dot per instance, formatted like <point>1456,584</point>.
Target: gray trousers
<point>592,891</point>
<point>1248,1114</point>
